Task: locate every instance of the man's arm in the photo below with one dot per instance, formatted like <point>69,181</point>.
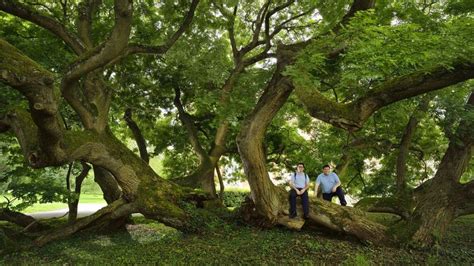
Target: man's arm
<point>292,185</point>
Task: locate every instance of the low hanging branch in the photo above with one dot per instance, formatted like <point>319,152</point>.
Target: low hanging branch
<point>23,220</point>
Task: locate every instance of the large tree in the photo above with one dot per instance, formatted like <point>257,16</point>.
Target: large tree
<point>328,58</point>
<point>343,61</point>
<point>83,85</point>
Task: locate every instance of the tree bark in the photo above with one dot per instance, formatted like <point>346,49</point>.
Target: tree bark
<point>221,183</point>
<point>401,206</point>
<point>270,202</point>
<point>437,205</point>
<point>203,177</point>
<point>107,183</point>
<point>405,143</point>
<point>250,139</point>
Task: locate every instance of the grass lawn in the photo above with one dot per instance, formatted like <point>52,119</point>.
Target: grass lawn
<point>42,207</point>
<point>232,243</point>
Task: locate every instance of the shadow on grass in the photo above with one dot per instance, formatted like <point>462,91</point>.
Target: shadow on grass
<point>232,243</point>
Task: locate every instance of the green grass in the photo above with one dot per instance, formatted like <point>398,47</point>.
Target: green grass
<point>149,242</point>
<point>92,198</point>
<point>43,207</point>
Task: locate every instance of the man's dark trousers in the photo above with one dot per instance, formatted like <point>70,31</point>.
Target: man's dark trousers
<point>304,202</point>
<point>339,193</point>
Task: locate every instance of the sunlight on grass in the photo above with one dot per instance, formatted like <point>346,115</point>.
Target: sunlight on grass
<point>43,207</point>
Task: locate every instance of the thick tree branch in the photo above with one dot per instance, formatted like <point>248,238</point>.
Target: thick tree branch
<point>107,51</point>
<point>96,58</point>
<point>107,183</point>
<point>357,5</point>
<point>231,32</point>
<point>21,124</point>
<point>351,116</point>
<point>82,223</point>
<point>413,85</point>
<point>36,84</point>
<point>401,206</point>
<point>22,11</point>
<point>405,143</point>
<point>137,134</point>
<point>86,10</point>
<point>23,220</point>
<point>190,128</point>
<point>443,198</point>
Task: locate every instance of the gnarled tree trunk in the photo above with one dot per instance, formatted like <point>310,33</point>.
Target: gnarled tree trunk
<point>107,183</point>
<point>270,202</point>
<point>439,204</point>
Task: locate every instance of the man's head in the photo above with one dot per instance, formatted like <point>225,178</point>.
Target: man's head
<point>300,167</point>
<point>326,169</point>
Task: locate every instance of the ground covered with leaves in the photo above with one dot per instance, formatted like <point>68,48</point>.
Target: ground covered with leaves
<point>226,241</point>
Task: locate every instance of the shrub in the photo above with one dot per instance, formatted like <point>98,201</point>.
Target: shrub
<point>234,198</point>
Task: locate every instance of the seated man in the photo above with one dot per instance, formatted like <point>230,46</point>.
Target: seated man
<point>330,184</point>
<point>299,184</point>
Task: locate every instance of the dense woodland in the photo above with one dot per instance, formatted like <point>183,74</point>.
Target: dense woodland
<point>380,89</point>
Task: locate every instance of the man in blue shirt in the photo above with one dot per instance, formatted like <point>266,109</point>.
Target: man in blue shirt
<point>330,185</point>
<point>299,184</point>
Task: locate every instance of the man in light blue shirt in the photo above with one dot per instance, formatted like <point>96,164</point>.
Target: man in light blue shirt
<point>330,185</point>
<point>299,184</point>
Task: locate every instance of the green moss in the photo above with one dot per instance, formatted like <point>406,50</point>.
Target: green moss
<point>403,231</point>
<point>14,61</point>
<point>75,139</point>
<point>365,203</point>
